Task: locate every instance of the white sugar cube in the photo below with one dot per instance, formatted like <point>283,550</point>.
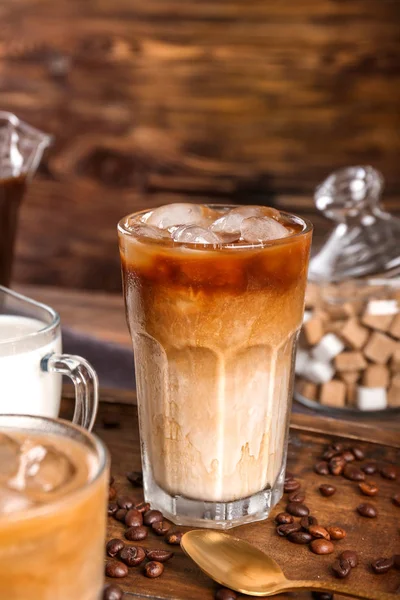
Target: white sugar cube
<point>329,347</point>
<point>369,398</point>
<point>318,372</point>
<point>307,316</point>
<point>382,307</point>
<point>302,358</point>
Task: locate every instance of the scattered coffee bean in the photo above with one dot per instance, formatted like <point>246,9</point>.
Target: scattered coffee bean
<point>291,485</point>
<point>136,534</point>
<point>358,452</point>
<point>321,468</point>
<point>353,473</point>
<point>161,527</point>
<point>153,569</point>
<point>142,507</point>
<point>369,468</point>
<point>297,509</point>
<point>300,537</point>
<point>389,472</point>
<point>336,533</point>
<point>322,596</point>
<point>112,508</point>
<point>225,594</point>
<point>114,568</point>
<point>120,514</point>
<point>341,568</point>
<point>289,475</point>
<point>396,561</point>
<point>284,530</point>
<point>111,480</point>
<point>368,488</point>
<point>132,555</point>
<point>126,502</point>
<point>112,592</point>
<point>319,532</point>
<point>382,565</point>
<point>136,478</point>
<point>112,494</point>
<point>327,490</point>
<point>152,516</point>
<point>133,518</point>
<point>159,555</point>
<point>348,456</point>
<point>337,465</point>
<point>297,497</point>
<point>338,446</point>
<point>330,453</point>
<point>174,538</point>
<point>367,510</point>
<point>321,546</point>
<point>114,546</point>
<point>283,518</point>
<point>396,499</point>
<point>307,522</point>
<point>351,556</point>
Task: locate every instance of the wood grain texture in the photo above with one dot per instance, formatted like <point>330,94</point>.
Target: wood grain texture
<point>159,101</point>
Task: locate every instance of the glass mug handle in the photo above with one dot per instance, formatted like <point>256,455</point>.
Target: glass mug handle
<point>85,381</point>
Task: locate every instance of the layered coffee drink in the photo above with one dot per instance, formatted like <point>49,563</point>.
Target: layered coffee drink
<point>53,491</point>
<point>214,299</point>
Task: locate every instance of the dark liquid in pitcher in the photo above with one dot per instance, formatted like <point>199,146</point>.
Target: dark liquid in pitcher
<point>11,191</point>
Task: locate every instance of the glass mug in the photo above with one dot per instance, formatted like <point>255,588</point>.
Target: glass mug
<point>53,494</point>
<point>32,365</point>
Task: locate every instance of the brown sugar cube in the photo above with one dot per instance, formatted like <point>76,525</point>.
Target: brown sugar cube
<point>333,393</point>
<point>340,311</point>
<point>395,327</point>
<point>379,348</point>
<point>394,392</point>
<point>349,377</point>
<point>313,295</point>
<point>354,334</point>
<point>350,361</point>
<point>395,362</point>
<point>334,326</point>
<point>307,389</point>
<point>351,395</point>
<point>376,376</point>
<point>378,322</point>
<point>313,330</point>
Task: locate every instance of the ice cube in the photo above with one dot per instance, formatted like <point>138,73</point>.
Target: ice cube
<point>231,221</point>
<point>9,456</point>
<point>193,234</point>
<point>13,501</point>
<point>148,231</point>
<point>176,214</point>
<point>262,229</point>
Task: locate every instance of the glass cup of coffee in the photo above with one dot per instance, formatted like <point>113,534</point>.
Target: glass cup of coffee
<point>53,494</point>
<point>214,299</point>
<point>32,365</point>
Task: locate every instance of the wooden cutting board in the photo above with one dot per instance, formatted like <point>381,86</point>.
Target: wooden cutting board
<point>117,425</point>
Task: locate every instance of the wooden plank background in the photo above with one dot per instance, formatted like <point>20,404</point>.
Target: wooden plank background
<point>152,101</point>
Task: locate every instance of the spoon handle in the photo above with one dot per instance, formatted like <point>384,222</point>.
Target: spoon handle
<point>338,588</point>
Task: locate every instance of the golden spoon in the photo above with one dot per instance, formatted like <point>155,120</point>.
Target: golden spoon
<point>240,566</point>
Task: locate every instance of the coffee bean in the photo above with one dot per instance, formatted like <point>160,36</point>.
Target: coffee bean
<point>152,516</point>
<point>338,446</point>
<point>330,453</point>
<point>348,456</point>
<point>283,518</point>
<point>370,468</point>
<point>351,556</point>
<point>132,555</point>
<point>358,452</point>
<point>367,510</point>
<point>174,538</point>
<point>396,561</point>
<point>289,475</point>
<point>284,530</point>
<point>300,537</point>
<point>307,522</point>
<point>161,527</point>
<point>341,568</point>
<point>297,497</point>
<point>114,568</point>
<point>120,514</point>
<point>327,490</point>
<point>291,485</point>
<point>112,508</point>
<point>297,509</point>
<point>126,502</point>
<point>353,473</point>
<point>368,488</point>
<point>159,555</point>
<point>322,596</point>
<point>389,472</point>
<point>396,499</point>
<point>114,546</point>
<point>225,594</point>
<point>142,507</point>
<point>337,465</point>
<point>321,546</point>
<point>336,533</point>
<point>133,518</point>
<point>319,532</point>
<point>136,478</point>
<point>135,534</point>
<point>382,565</point>
<point>112,592</point>
<point>153,569</point>
<point>321,468</point>
<point>112,493</point>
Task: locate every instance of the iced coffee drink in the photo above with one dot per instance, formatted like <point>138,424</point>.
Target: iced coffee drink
<point>214,299</point>
<point>53,491</point>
